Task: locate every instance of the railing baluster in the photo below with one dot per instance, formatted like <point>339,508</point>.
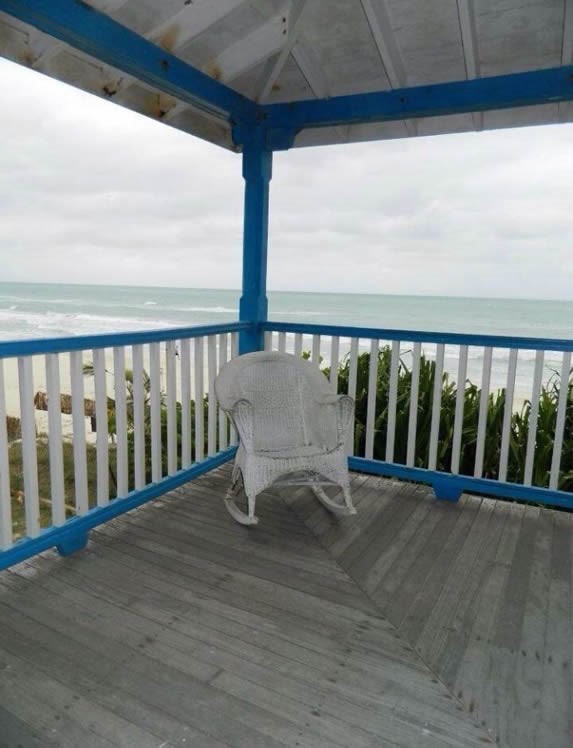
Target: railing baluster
<point>392,401</point>
<point>282,342</point>
<point>533,415</point>
<point>507,414</point>
<point>186,431</point>
<point>212,404</point>
<point>436,407</point>
<point>352,376</point>
<point>334,356</point>
<point>268,342</point>
<point>413,411</point>
<point>459,413</point>
<point>29,453</point>
<point>55,444</point>
<point>234,353</point>
<point>371,403</point>
<point>138,417</point>
<point>223,346</point>
<point>560,420</point>
<point>171,387</point>
<point>315,355</point>
<point>155,398</point>
<point>79,430</point>
<point>482,417</point>
<point>298,344</point>
<point>122,469</point>
<point>198,345</point>
<point>5,495</point>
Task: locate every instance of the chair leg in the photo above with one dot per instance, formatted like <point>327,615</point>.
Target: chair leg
<point>236,513</point>
<point>340,510</point>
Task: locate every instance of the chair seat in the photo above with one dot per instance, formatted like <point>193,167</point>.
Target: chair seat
<point>309,450</point>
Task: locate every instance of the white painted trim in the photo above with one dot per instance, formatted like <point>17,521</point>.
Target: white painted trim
<point>102,436</point>
<point>223,420</point>
<point>334,361</point>
<point>352,378</point>
<point>212,403</point>
<point>171,396</point>
<point>198,346</point>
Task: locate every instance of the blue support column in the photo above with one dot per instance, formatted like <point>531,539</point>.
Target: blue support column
<point>257,171</point>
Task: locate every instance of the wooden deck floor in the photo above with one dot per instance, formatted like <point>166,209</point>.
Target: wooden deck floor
<point>177,627</point>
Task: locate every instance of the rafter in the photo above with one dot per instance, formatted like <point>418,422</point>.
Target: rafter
<point>275,67</point>
<point>376,14</point>
<point>467,20</point>
<point>264,42</point>
<point>567,48</point>
<point>99,36</point>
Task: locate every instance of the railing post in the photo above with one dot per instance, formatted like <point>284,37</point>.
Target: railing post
<point>257,170</point>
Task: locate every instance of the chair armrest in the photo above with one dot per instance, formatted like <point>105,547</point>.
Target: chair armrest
<point>243,416</point>
<point>344,405</point>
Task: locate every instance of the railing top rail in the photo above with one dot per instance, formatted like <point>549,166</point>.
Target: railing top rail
<point>419,336</point>
<point>32,347</point>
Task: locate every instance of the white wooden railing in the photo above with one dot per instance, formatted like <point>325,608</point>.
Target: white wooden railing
<point>520,366</point>
<point>57,470</point>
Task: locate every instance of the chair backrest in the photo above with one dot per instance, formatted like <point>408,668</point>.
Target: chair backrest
<point>284,391</point>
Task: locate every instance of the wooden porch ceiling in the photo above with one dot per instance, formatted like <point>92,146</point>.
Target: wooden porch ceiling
<point>179,628</point>
<point>273,51</point>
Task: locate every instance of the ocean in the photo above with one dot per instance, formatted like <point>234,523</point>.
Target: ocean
<point>48,310</point>
<point>30,310</point>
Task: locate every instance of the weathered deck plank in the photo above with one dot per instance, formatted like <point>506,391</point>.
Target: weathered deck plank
<point>481,589</point>
<point>179,628</point>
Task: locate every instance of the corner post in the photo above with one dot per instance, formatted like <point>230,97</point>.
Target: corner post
<point>257,172</point>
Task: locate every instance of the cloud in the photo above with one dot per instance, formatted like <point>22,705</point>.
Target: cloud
<point>90,192</point>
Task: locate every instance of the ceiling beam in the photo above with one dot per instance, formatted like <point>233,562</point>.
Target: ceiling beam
<point>481,94</point>
<point>97,35</point>
<point>378,19</point>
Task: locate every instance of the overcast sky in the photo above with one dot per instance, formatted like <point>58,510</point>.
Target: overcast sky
<point>92,193</point>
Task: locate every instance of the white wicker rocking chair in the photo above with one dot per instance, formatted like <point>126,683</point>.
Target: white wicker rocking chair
<point>292,429</point>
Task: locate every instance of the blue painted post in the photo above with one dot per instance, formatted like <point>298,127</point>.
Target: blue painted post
<point>257,171</point>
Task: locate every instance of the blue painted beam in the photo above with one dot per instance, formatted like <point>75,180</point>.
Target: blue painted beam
<point>72,535</point>
<point>257,172</point>
<point>481,94</point>
<point>33,347</point>
<point>81,26</point>
<point>417,336</point>
<point>457,483</point>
